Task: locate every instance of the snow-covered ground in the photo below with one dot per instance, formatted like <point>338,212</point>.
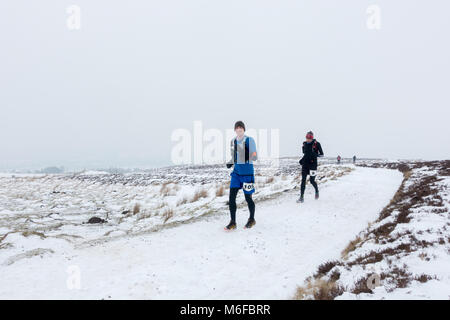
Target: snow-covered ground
<point>405,253</point>
<point>59,206</point>
<point>45,247</point>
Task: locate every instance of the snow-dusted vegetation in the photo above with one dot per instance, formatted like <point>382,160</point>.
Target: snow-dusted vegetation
<point>405,253</point>
<point>89,207</point>
<point>156,233</point>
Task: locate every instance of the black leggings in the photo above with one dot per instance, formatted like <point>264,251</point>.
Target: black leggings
<point>312,179</point>
<point>232,204</point>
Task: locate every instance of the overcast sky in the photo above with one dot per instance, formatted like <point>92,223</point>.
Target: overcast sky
<point>111,93</point>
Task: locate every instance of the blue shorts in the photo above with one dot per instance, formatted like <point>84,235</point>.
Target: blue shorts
<point>245,182</point>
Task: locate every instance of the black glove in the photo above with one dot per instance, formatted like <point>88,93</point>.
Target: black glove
<point>301,161</point>
<point>229,165</point>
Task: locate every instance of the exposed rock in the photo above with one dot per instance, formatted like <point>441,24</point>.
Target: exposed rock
<point>96,220</point>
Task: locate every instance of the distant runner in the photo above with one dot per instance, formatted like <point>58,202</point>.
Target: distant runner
<point>354,159</point>
<point>311,150</point>
<point>243,153</point>
<point>338,159</point>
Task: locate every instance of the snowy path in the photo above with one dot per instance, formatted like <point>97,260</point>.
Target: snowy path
<point>201,261</point>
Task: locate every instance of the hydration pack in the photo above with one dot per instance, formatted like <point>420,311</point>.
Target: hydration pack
<point>247,150</point>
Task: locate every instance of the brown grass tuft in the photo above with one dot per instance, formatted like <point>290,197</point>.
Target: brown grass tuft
<point>319,290</point>
<point>167,214</point>
<point>220,192</point>
<point>270,179</point>
<point>136,208</point>
<point>182,201</point>
<point>165,189</point>
<point>34,233</point>
<point>351,247</point>
<point>202,193</point>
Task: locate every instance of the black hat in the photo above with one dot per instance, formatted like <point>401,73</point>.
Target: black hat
<point>239,124</point>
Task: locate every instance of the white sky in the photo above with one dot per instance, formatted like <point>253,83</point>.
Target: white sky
<point>111,93</point>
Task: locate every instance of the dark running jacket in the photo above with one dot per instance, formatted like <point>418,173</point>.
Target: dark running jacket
<point>311,151</point>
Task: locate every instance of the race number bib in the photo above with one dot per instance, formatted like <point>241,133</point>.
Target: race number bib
<point>312,173</point>
<point>248,186</point>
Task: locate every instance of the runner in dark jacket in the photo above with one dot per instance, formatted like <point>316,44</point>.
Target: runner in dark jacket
<point>311,151</point>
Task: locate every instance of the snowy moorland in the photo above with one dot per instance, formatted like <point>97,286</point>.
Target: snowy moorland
<point>404,253</point>
<point>63,206</point>
<point>159,234</point>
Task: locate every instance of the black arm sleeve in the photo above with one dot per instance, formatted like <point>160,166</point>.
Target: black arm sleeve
<point>319,149</point>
